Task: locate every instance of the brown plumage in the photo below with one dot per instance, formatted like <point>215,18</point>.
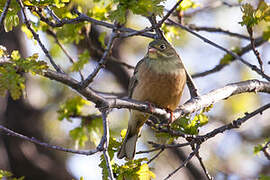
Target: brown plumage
<point>159,78</point>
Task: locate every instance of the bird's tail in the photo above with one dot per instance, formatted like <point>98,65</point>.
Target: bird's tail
<point>135,123</point>
<point>128,147</point>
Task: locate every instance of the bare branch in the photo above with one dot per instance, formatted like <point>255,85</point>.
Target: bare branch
<point>185,162</point>
<point>163,146</point>
<point>106,136</point>
<point>46,145</point>
<point>235,124</point>
<point>264,150</point>
<point>217,30</point>
<point>82,17</point>
<point>4,13</point>
<point>203,167</point>
<point>72,61</point>
<point>223,93</point>
<point>258,41</point>
<point>102,61</point>
<point>36,37</point>
<point>153,158</point>
<point>159,24</point>
<point>187,108</point>
<point>252,67</point>
<point>256,53</point>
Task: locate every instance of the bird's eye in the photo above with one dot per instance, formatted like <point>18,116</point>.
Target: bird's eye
<point>162,46</point>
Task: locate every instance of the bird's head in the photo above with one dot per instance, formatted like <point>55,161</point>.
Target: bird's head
<point>160,49</point>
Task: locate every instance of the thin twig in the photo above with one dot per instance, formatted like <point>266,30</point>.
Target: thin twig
<point>267,155</point>
<point>36,37</point>
<point>4,13</point>
<point>185,162</point>
<point>153,21</point>
<point>52,14</point>
<point>82,17</point>
<point>135,33</point>
<point>49,146</point>
<point>209,177</point>
<point>159,24</point>
<point>258,41</point>
<point>102,61</point>
<point>256,52</point>
<point>72,61</point>
<point>106,136</point>
<point>235,124</point>
<point>252,67</point>
<point>163,146</point>
<point>217,30</point>
<point>153,158</point>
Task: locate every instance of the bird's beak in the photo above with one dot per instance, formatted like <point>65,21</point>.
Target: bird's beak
<point>152,50</point>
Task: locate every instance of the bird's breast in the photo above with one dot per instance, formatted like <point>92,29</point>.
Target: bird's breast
<point>162,87</point>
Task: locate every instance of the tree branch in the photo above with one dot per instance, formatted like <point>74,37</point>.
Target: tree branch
<point>234,124</point>
<point>256,53</point>
<point>217,30</point>
<point>102,61</point>
<point>185,162</point>
<point>46,145</point>
<point>159,24</point>
<point>252,67</point>
<point>82,17</point>
<point>106,136</point>
<point>267,155</point>
<point>187,108</point>
<point>71,60</point>
<point>258,41</point>
<point>36,37</point>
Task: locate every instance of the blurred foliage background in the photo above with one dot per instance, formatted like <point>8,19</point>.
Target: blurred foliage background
<point>53,113</point>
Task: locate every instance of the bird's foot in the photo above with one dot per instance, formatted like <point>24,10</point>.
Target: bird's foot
<point>171,115</point>
<point>151,107</point>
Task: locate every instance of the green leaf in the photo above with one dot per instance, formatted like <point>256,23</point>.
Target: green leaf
<point>248,17</point>
<point>259,147</point>
<point>101,39</point>
<point>15,55</point>
<point>72,107</point>
<point>252,17</point>
<point>8,175</point>
<point>189,126</point>
<point>11,20</point>
<point>187,4</point>
<point>140,7</point>
<point>264,177</point>
<point>119,14</point>
<point>83,59</point>
<point>27,32</point>
<point>266,33</point>
<point>227,58</point>
<point>70,33</point>
<point>79,134</point>
<point>11,81</point>
<point>94,129</point>
<point>144,172</point>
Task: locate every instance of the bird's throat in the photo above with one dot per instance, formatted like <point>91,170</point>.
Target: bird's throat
<point>152,55</point>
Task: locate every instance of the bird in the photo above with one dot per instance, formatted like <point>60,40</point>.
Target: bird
<point>159,79</point>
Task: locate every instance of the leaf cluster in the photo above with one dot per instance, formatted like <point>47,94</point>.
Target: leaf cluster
<point>8,175</point>
<point>252,16</point>
<point>141,7</point>
<point>10,78</point>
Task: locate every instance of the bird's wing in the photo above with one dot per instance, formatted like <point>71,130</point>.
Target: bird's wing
<point>133,80</point>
